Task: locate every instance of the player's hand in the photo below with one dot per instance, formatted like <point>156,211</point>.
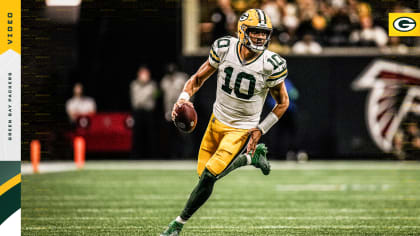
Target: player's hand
<point>178,104</point>
<point>255,135</point>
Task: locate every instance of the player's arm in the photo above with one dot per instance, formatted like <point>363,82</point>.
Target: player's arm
<point>194,84</point>
<point>197,80</point>
<point>279,93</point>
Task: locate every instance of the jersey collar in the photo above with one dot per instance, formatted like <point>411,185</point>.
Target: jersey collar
<point>238,45</point>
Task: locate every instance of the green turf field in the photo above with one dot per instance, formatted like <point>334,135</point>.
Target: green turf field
<point>295,201</point>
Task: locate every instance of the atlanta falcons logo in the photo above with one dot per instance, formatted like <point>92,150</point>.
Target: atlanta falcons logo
<point>394,93</point>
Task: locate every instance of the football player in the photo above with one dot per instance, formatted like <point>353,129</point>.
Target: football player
<point>247,71</point>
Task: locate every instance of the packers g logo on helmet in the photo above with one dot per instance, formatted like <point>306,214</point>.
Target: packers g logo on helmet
<point>244,16</point>
<point>254,19</point>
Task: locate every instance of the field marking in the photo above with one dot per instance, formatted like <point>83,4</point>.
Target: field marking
<point>60,166</point>
<point>333,187</point>
<point>211,204</point>
<point>214,198</point>
<point>222,211</point>
<point>229,218</point>
<point>310,227</point>
<point>215,209</point>
<point>243,227</point>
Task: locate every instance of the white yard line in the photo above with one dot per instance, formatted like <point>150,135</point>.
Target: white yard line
<point>230,218</point>
<point>47,167</point>
<point>163,197</point>
<point>242,227</point>
<point>220,210</point>
<point>333,187</point>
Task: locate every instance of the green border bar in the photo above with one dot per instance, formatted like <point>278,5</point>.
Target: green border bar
<point>8,170</point>
<point>9,202</point>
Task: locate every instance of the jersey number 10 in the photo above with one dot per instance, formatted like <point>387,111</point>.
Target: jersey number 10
<point>238,81</point>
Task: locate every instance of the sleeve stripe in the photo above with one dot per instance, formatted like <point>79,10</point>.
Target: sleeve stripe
<point>214,53</point>
<point>271,80</point>
<point>214,59</point>
<point>278,75</point>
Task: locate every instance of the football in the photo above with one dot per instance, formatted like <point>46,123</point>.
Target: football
<point>186,118</point>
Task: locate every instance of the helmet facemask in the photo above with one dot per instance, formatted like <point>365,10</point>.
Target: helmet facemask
<point>247,42</point>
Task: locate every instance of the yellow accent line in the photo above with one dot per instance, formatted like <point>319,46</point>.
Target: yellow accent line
<point>278,76</point>
<point>10,184</point>
<point>247,62</point>
<point>253,59</point>
<point>239,54</point>
<point>214,55</point>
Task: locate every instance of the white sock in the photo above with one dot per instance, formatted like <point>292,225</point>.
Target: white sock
<point>180,220</point>
<point>248,159</point>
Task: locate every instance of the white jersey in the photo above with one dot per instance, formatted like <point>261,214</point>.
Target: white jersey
<point>243,87</point>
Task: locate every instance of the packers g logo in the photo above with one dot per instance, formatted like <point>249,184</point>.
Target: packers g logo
<point>244,16</point>
<point>404,24</point>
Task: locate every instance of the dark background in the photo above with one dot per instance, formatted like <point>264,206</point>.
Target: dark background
<point>104,49</point>
<point>331,115</point>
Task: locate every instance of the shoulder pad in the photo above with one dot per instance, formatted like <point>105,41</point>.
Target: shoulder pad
<point>273,63</point>
<point>219,49</point>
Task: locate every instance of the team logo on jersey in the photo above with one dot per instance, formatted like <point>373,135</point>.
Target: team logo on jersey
<point>244,16</point>
<point>394,93</point>
<point>404,24</point>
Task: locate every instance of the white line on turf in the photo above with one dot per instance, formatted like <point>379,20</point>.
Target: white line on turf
<point>223,210</point>
<point>46,167</point>
<point>115,204</point>
<point>267,201</point>
<point>229,218</point>
<point>333,187</point>
<point>231,227</point>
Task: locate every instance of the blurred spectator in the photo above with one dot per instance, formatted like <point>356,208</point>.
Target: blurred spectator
<point>407,141</point>
<point>399,145</point>
<point>307,46</point>
<point>290,19</point>
<point>172,84</point>
<point>315,27</point>
<point>413,136</point>
<point>284,137</point>
<point>143,94</point>
<point>364,9</point>
<point>79,104</point>
<point>273,8</point>
<point>395,46</point>
<point>223,20</point>
<point>339,29</point>
<point>242,5</point>
<point>338,4</point>
<point>330,22</point>
<point>368,35</point>
<point>327,9</point>
<point>289,22</point>
<point>276,46</point>
<point>353,11</point>
<point>307,9</point>
<point>399,7</point>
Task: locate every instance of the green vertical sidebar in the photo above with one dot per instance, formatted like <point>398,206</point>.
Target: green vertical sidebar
<point>10,188</point>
